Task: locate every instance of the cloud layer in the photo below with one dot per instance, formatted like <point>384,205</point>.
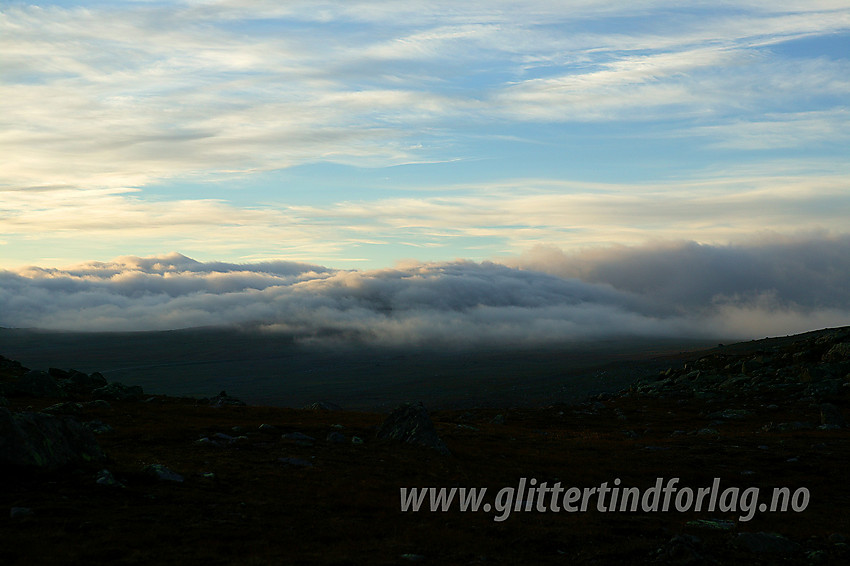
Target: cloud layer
<point>546,296</point>
<point>487,126</point>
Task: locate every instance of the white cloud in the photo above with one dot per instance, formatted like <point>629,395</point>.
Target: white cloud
<point>796,129</point>
<point>544,297</point>
<point>127,95</point>
<point>493,217</point>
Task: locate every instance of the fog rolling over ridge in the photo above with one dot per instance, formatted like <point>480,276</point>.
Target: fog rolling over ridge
<point>544,297</point>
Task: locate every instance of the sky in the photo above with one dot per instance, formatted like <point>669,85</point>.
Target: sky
<point>369,138</point>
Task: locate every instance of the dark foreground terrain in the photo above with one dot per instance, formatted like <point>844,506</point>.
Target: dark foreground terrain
<point>268,368</point>
<point>209,481</point>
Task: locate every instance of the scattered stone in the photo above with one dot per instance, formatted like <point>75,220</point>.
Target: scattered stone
<point>708,432</point>
<point>97,404</point>
<point>412,425</point>
<point>162,473</point>
<point>295,462</point>
<point>765,543</point>
<point>20,512</point>
<point>336,438</point>
<point>45,442</point>
<point>119,392</point>
<point>37,384</point>
<point>224,400</point>
<point>356,440</point>
<point>267,428</point>
<point>323,406</point>
<point>836,538</point>
<point>498,419</point>
<point>105,477</point>
<point>412,557</point>
<point>786,427</point>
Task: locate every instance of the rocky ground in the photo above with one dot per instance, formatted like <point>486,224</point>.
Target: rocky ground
<point>100,473</point>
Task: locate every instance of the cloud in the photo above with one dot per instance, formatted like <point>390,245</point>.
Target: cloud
<point>546,296</point>
<point>178,89</point>
<point>492,218</point>
<point>803,130</point>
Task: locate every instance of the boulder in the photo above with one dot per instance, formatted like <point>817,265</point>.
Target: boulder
<point>411,424</point>
<point>11,367</point>
<point>37,384</point>
<point>79,382</point>
<point>118,392</point>
<point>63,409</point>
<point>37,441</point>
<point>336,437</point>
<point>162,473</point>
<point>838,353</point>
<point>223,400</point>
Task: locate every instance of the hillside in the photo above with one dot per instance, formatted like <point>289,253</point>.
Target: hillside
<point>264,485</point>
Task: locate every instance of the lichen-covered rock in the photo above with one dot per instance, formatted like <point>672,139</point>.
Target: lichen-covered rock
<point>411,424</point>
<point>838,353</point>
<point>44,442</point>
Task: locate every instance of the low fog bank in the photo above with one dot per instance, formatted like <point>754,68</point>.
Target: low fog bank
<point>544,297</point>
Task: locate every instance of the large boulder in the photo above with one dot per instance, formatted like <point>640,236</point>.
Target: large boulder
<point>118,392</point>
<point>411,424</point>
<point>11,367</point>
<point>37,441</point>
<point>225,400</point>
<point>37,384</point>
<point>838,353</point>
<point>79,382</point>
